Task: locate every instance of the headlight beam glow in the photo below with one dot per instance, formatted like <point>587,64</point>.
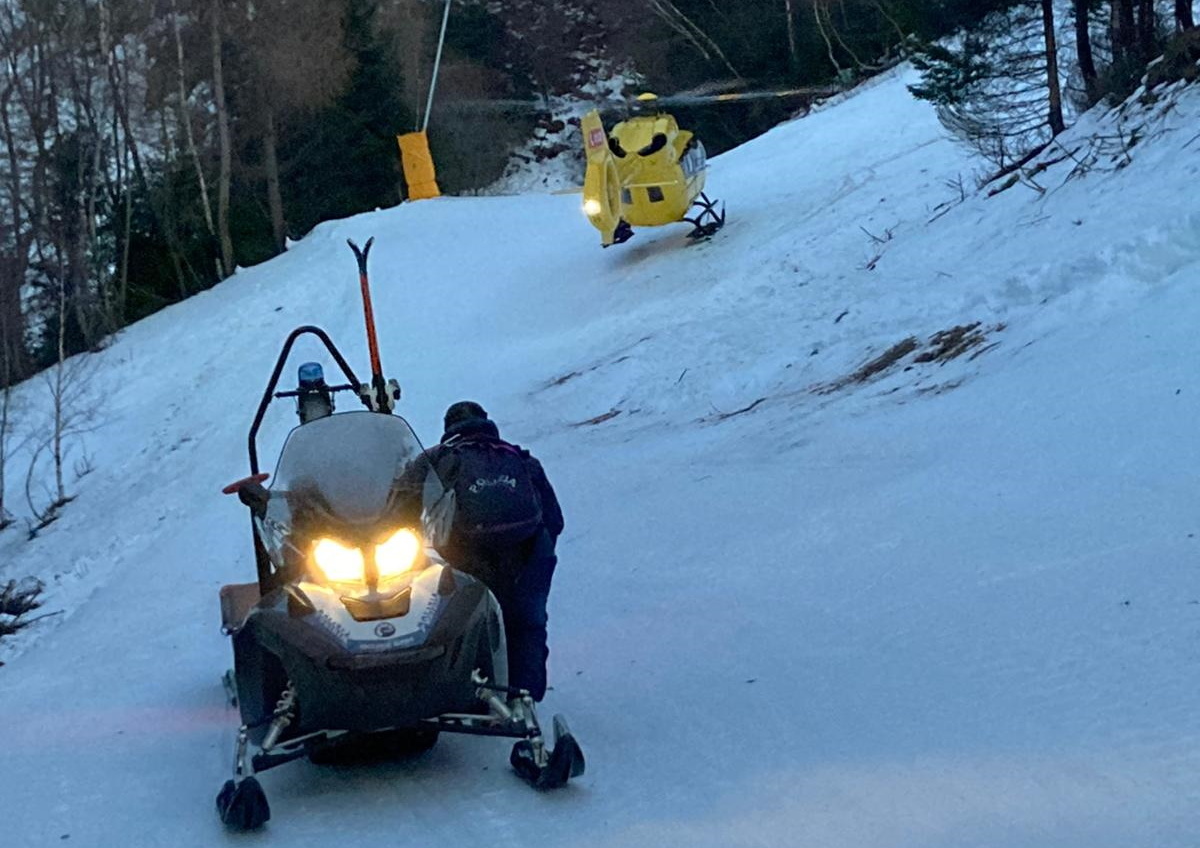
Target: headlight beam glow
<point>339,564</point>
<point>397,555</point>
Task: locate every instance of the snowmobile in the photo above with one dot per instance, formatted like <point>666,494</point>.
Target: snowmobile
<point>357,635</point>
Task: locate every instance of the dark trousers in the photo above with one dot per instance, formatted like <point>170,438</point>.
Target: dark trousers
<point>519,576</point>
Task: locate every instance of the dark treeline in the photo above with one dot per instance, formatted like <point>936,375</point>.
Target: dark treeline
<point>150,148</point>
<point>1009,84</point>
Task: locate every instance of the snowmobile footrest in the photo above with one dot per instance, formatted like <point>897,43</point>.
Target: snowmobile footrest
<point>242,804</point>
<point>565,762</point>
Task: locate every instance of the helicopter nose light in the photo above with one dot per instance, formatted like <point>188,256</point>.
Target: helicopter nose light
<point>591,207</point>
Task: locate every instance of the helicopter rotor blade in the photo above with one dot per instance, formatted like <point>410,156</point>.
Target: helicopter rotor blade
<point>814,92</point>
<point>681,99</point>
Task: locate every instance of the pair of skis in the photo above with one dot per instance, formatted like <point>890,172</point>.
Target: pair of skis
<point>380,395</point>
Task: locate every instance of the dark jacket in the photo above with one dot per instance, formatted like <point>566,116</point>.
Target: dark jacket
<point>408,489</point>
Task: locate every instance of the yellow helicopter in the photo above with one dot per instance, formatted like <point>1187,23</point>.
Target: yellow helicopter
<point>646,172</point>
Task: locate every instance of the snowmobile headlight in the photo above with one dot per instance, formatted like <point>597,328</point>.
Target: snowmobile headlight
<point>591,207</point>
<point>339,564</point>
<point>397,554</point>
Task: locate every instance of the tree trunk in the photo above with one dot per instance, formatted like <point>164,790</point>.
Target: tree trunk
<point>7,378</point>
<point>1183,15</point>
<point>226,153</point>
<point>1083,46</point>
<point>1056,112</point>
<point>164,202</point>
<point>1124,29</point>
<point>271,163</point>
<point>5,402</point>
<point>12,318</point>
<point>1147,25</point>
<point>185,119</point>
<point>13,265</point>
<point>793,53</point>
<point>816,7</point>
<point>126,239</point>
<point>57,441</point>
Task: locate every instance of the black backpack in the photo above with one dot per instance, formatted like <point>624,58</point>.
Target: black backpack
<point>496,502</point>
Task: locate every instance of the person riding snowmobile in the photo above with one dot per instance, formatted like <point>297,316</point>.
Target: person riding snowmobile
<point>507,521</point>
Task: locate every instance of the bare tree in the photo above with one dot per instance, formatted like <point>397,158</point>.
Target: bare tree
<point>185,121</point>
<point>226,174</point>
<point>1053,88</point>
<point>999,93</point>
<point>793,52</point>
<point>70,417</point>
<point>692,33</point>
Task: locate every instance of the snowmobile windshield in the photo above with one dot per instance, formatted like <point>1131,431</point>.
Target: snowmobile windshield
<point>339,473</point>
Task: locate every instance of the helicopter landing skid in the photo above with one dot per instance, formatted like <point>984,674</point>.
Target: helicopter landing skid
<point>707,221</point>
<point>623,233</point>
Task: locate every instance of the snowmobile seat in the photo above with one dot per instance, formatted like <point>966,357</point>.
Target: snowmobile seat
<point>237,599</point>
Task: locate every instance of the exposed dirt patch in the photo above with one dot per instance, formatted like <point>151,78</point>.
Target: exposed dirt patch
<point>874,367</point>
<point>939,348</point>
<point>599,419</point>
<point>722,416</point>
<point>17,600</point>
<point>565,378</point>
<point>619,356</point>
<point>952,343</point>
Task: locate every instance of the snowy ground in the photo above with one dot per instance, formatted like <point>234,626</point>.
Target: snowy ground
<point>955,604</point>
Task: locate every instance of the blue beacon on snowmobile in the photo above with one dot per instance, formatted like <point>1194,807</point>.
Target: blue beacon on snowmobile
<point>357,636</point>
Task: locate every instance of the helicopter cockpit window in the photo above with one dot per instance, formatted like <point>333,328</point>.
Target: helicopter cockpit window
<point>655,193</point>
<point>656,144</point>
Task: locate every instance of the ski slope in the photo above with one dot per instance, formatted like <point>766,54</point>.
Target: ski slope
<point>953,604</point>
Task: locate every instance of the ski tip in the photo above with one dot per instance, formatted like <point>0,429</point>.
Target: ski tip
<point>360,253</point>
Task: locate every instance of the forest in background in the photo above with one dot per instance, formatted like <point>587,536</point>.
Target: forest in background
<point>150,148</point>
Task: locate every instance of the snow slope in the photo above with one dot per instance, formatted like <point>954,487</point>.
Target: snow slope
<point>953,604</point>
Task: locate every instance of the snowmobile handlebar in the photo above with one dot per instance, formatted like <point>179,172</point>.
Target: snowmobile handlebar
<point>298,392</point>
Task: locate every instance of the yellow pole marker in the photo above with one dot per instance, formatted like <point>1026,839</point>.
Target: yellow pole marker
<point>419,172</point>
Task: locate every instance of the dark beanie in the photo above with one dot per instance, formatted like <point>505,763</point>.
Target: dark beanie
<point>464,410</point>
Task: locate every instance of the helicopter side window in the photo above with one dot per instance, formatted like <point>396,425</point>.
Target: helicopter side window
<point>655,193</point>
<point>656,144</point>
